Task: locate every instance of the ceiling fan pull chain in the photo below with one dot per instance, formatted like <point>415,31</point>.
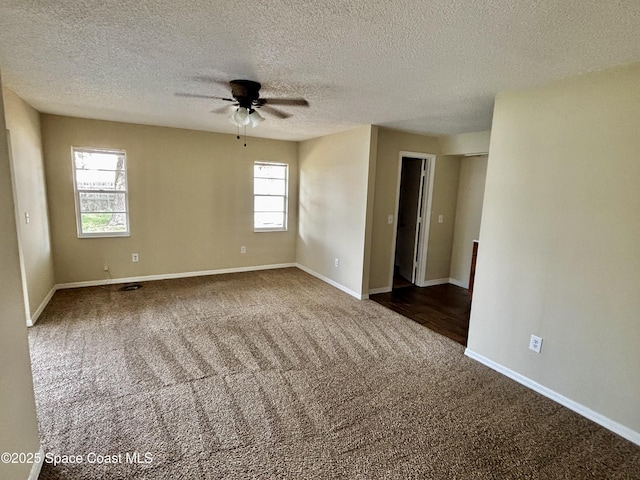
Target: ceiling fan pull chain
<point>245,135</point>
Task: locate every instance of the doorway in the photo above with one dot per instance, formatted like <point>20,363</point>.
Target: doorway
<point>413,209</point>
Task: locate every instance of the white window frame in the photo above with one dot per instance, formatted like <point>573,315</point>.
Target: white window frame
<point>77,193</point>
<point>285,196</point>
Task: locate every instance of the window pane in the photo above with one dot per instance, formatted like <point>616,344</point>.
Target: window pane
<point>268,204</point>
<point>98,160</point>
<point>270,171</point>
<point>103,202</point>
<point>268,220</point>
<point>267,186</point>
<point>103,222</point>
<point>270,196</point>
<point>101,192</point>
<point>100,180</point>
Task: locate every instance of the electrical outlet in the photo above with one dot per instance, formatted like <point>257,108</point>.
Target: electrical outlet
<point>441,218</point>
<point>336,263</point>
<point>135,257</point>
<point>105,267</point>
<point>535,343</point>
<point>27,218</point>
<point>243,249</point>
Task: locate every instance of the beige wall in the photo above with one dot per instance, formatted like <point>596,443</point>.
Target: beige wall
<point>19,432</point>
<point>473,174</point>
<point>390,144</point>
<point>560,243</point>
<point>190,201</point>
<point>373,155</point>
<point>334,198</point>
<point>23,123</point>
<point>473,143</point>
<point>445,195</point>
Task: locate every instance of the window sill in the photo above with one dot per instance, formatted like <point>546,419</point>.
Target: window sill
<point>260,230</point>
<point>104,235</point>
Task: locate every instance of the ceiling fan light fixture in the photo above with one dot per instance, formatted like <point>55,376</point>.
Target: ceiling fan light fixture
<point>255,118</point>
<point>246,99</point>
<point>240,117</point>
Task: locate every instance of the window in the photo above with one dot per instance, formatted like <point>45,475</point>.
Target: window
<point>270,196</point>
<point>100,183</point>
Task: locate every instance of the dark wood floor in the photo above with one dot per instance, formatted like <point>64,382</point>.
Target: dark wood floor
<point>442,308</point>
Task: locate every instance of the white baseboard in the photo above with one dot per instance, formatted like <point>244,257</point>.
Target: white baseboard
<point>333,283</point>
<point>37,466</point>
<point>34,318</point>
<point>459,283</point>
<point>428,283</point>
<point>580,409</point>
<point>373,291</point>
<point>168,276</point>
<point>432,283</point>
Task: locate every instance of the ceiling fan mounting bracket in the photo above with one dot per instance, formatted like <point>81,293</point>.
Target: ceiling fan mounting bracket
<point>246,92</point>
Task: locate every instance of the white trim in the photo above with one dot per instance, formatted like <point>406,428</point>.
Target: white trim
<point>19,220</point>
<point>600,419</point>
<point>262,230</point>
<point>284,227</point>
<point>168,276</point>
<point>93,283</point>
<point>426,215</point>
<point>434,282</point>
<point>37,466</point>
<point>373,291</point>
<point>333,283</point>
<point>77,191</point>
<point>426,221</point>
<point>459,283</point>
<point>427,283</point>
<point>34,318</point>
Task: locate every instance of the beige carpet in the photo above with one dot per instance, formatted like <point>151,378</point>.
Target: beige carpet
<point>277,375</point>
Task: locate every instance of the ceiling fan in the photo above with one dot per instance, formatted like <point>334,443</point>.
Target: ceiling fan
<point>246,97</point>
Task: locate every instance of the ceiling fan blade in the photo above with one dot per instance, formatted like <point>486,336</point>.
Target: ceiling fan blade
<point>275,112</point>
<point>224,109</point>
<point>297,102</point>
<point>211,79</point>
<point>197,95</point>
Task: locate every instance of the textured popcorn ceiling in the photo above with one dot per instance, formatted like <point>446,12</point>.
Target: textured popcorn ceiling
<point>431,66</point>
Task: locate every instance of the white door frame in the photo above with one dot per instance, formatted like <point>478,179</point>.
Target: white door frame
<point>19,220</point>
<point>424,216</point>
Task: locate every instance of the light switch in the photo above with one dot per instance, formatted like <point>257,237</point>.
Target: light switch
<point>390,219</point>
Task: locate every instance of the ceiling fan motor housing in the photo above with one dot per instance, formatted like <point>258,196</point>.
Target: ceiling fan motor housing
<point>246,92</point>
